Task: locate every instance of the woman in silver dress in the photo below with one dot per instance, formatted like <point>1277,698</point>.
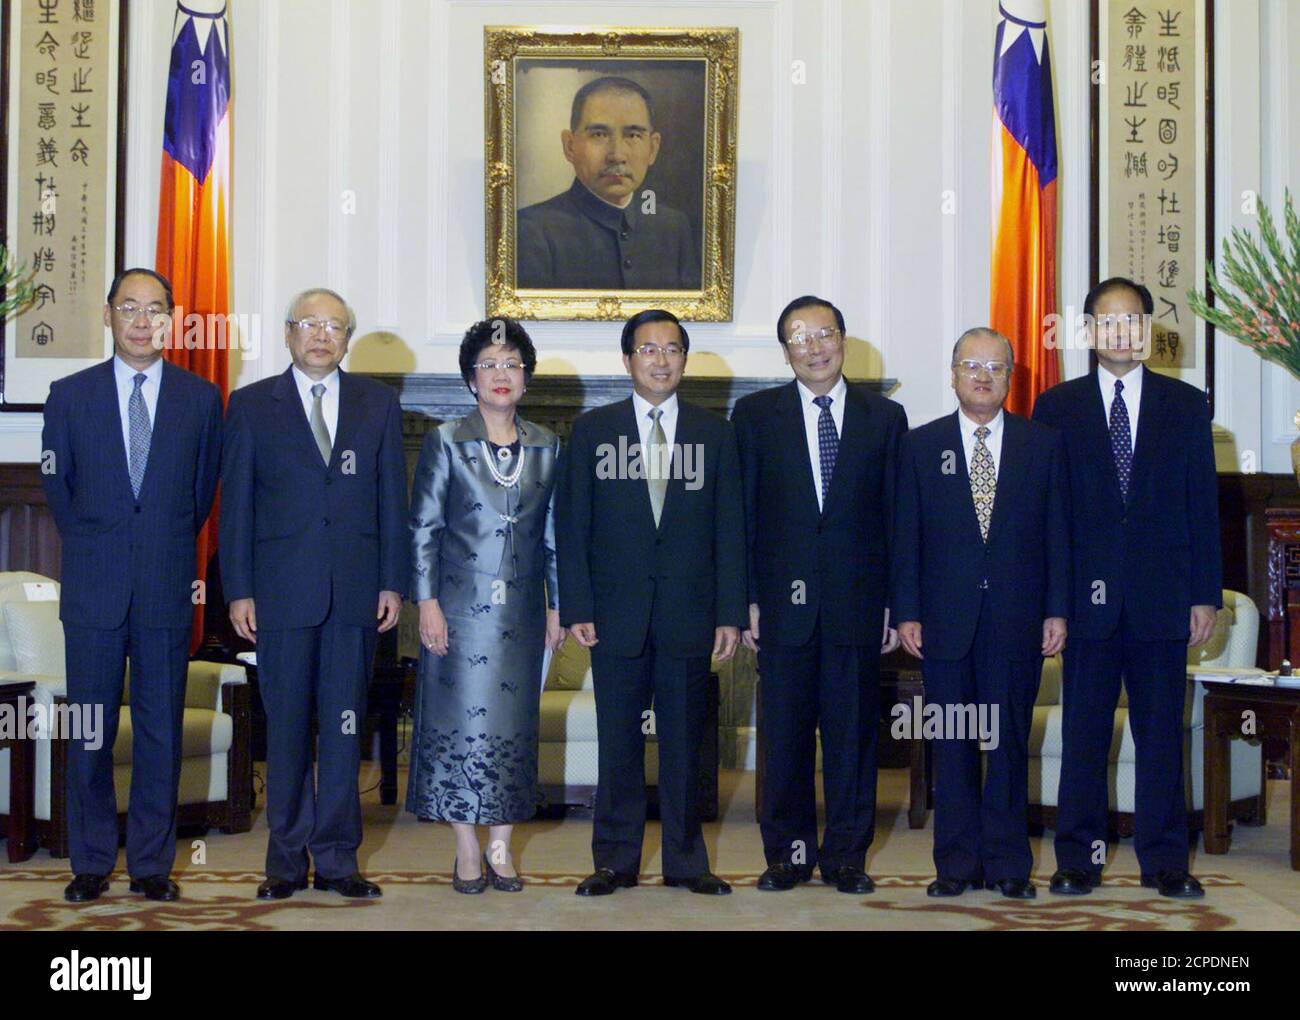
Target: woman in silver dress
<point>484,564</point>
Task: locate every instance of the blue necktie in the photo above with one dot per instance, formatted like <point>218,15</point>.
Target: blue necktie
<point>1121,439</point>
<point>137,417</point>
<point>828,443</point>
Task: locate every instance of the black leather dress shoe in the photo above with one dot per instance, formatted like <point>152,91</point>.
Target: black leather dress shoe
<point>1013,888</point>
<point>84,888</point>
<point>781,876</point>
<point>156,887</point>
<point>280,888</point>
<point>603,882</point>
<point>1176,884</point>
<point>849,879</point>
<point>1074,882</point>
<point>943,887</point>
<point>354,887</point>
<point>706,884</point>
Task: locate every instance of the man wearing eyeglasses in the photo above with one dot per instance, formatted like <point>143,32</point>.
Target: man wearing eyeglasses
<point>819,457</point>
<point>981,590</point>
<point>131,451</point>
<point>1147,582</point>
<point>315,557</point>
<point>652,580</point>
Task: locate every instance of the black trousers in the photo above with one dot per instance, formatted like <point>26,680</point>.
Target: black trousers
<point>624,689</point>
<point>834,688</point>
<point>982,834</point>
<point>325,668</point>
<point>96,661</point>
<point>1154,674</point>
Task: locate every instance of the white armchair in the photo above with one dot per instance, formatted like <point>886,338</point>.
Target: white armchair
<point>216,769</point>
<point>1232,643</point>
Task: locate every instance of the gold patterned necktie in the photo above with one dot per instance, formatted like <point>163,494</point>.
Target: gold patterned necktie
<point>656,476</point>
<point>983,481</point>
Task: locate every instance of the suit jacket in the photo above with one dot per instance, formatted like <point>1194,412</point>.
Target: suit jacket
<point>118,549</point>
<point>1157,554</point>
<point>836,557</point>
<point>301,538</point>
<point>456,506</point>
<point>576,241</point>
<point>685,577</point>
<point>941,562</point>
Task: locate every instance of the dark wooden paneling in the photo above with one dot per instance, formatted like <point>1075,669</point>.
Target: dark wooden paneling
<point>28,537</point>
<point>1244,530</point>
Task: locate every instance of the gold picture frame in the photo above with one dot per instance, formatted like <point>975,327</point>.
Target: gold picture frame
<point>693,62</point>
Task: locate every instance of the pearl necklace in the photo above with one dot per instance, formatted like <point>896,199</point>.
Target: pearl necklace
<point>505,481</point>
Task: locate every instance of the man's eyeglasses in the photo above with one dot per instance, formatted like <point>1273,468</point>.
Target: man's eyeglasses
<point>652,351</point>
<point>332,327</point>
<point>1111,323</point>
<point>130,311</point>
<point>997,369</point>
<point>508,366</point>
<point>830,336</point>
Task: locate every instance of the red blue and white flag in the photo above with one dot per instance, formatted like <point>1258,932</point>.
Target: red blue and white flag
<point>1023,285</point>
<point>193,204</point>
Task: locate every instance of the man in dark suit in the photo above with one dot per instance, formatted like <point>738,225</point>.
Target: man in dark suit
<point>132,448</point>
<point>605,233</point>
<point>651,557</point>
<point>1147,581</point>
<point>314,551</point>
<point>819,459</point>
<point>981,585</point>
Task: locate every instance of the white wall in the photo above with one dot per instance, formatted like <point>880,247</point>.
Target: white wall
<point>841,180</point>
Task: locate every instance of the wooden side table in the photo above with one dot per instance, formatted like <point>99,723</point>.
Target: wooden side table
<point>920,765</point>
<point>22,771</point>
<point>1275,713</point>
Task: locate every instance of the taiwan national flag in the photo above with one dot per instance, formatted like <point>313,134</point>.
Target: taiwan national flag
<point>193,207</point>
<point>1023,292</point>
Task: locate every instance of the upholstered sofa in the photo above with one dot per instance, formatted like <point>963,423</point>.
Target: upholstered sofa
<point>1232,643</point>
<point>567,745</point>
<point>216,769</point>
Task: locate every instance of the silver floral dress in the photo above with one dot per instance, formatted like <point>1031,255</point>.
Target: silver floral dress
<point>486,551</point>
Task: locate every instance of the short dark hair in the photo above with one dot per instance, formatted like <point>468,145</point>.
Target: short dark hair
<point>807,301</point>
<point>651,315</point>
<point>1117,283</point>
<point>610,83</point>
<point>120,278</point>
<point>492,331</point>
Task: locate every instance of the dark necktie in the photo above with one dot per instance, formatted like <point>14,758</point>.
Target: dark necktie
<point>137,418</point>
<point>828,443</point>
<point>1121,439</point>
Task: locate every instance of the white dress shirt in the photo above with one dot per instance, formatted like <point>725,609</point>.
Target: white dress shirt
<point>811,415</point>
<point>329,401</point>
<point>667,421</point>
<point>124,375</point>
<point>1132,395</point>
<point>993,440</point>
